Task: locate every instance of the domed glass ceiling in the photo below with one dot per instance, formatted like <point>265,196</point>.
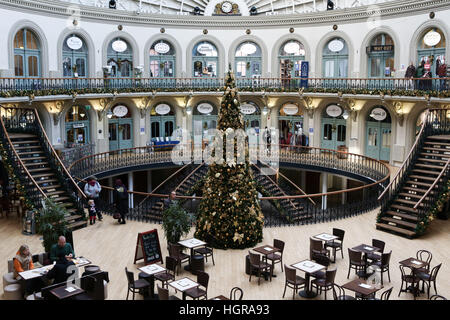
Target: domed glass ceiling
<point>226,7</point>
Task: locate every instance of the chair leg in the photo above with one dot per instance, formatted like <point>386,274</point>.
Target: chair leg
<point>349,268</point>
<point>251,271</point>
<point>342,253</point>
<point>293,293</point>
<point>128,293</point>
<point>212,256</point>
<point>284,292</point>
<point>434,284</point>
<point>281,262</point>
<point>389,275</point>
<point>259,276</point>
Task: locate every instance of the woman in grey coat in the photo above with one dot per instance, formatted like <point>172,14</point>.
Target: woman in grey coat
<point>92,190</point>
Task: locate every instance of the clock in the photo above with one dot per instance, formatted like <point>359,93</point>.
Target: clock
<point>227,7</point>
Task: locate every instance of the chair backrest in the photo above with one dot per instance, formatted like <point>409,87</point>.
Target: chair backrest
<point>163,293</point>
<point>236,291</point>
<point>355,256</point>
<point>11,265</point>
<point>45,292</point>
<point>130,277</point>
<point>386,294</point>
<point>402,270</point>
<point>175,250</point>
<point>385,258</point>
<point>315,244</point>
<point>434,272</point>
<point>279,245</point>
<point>291,273</point>
<point>338,291</point>
<point>254,258</point>
<point>330,275</point>
<point>424,255</point>
<point>322,259</point>
<point>378,244</point>
<point>171,264</point>
<point>203,279</point>
<point>339,233</point>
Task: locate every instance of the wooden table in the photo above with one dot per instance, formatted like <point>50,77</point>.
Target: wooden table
<point>327,237</point>
<point>266,250</point>
<point>308,267</point>
<point>151,270</point>
<point>414,264</point>
<point>66,291</point>
<point>35,273</point>
<point>191,243</point>
<point>221,297</point>
<point>365,249</point>
<point>183,284</point>
<point>360,287</point>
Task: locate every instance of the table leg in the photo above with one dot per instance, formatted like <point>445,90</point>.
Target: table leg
<point>152,289</point>
<point>307,292</point>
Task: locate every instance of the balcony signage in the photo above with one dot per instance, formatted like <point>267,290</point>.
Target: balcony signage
<point>74,43</point>
<point>162,47</point>
<point>120,111</point>
<point>293,48</point>
<point>432,38</point>
<point>205,108</point>
<point>248,49</point>
<point>248,108</point>
<point>378,114</point>
<point>334,111</point>
<point>290,109</point>
<point>379,48</point>
<point>336,45</point>
<point>162,109</point>
<point>119,46</point>
<point>205,48</point>
<point>78,125</point>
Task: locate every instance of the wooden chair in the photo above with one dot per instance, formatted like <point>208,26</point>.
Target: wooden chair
<point>206,252</point>
<point>428,278</point>
<point>437,297</point>
<point>176,252</point>
<point>326,283</point>
<point>277,257</point>
<point>260,266</point>
<point>376,256</point>
<point>163,294</point>
<point>336,245</point>
<point>385,295</point>
<point>323,260</point>
<point>169,273</point>
<point>408,279</point>
<point>424,255</point>
<point>236,293</point>
<point>293,281</point>
<point>316,247</point>
<point>197,293</point>
<point>383,264</point>
<point>135,285</point>
<point>339,293</point>
<point>356,261</point>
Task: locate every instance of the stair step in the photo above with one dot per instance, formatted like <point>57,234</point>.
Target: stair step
<point>65,204</point>
<point>21,135</point>
<point>71,210</point>
<point>47,181</point>
<point>403,208</point>
<point>413,203</point>
<point>30,152</point>
<point>422,177</point>
<point>24,142</point>
<point>432,160</point>
<point>396,229</point>
<point>50,174</point>
<point>419,183</point>
<point>439,137</point>
<point>430,166</point>
<point>52,193</point>
<point>27,147</point>
<point>38,170</point>
<point>32,158</point>
<point>77,224</point>
<point>30,164</point>
<point>436,173</point>
<point>435,154</point>
<point>416,189</point>
<point>404,194</point>
<point>400,222</point>
<point>57,199</point>
<point>403,215</point>
<point>436,149</point>
<point>437,143</point>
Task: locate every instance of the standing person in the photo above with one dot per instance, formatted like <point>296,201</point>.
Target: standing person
<point>92,211</point>
<point>61,248</point>
<point>409,75</point>
<point>92,190</point>
<point>169,201</point>
<point>441,73</point>
<point>120,196</point>
<point>420,71</point>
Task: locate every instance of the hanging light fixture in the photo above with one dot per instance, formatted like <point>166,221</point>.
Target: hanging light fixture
<point>345,115</point>
<point>109,114</point>
<point>189,110</point>
<point>265,110</point>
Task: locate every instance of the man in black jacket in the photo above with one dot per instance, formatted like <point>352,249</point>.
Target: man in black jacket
<point>409,75</point>
<point>61,271</point>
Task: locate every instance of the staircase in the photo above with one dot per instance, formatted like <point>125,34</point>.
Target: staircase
<point>419,183</point>
<point>186,187</point>
<point>37,167</point>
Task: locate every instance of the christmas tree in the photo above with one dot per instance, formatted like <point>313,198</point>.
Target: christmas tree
<point>229,213</point>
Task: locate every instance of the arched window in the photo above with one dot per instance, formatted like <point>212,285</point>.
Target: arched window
<point>248,60</point>
<point>27,54</point>
<point>162,60</point>
<point>205,60</point>
<point>378,137</point>
<point>335,59</point>
<point>120,58</point>
<point>381,56</point>
<point>77,126</point>
<point>75,57</point>
<point>431,50</point>
<point>290,56</point>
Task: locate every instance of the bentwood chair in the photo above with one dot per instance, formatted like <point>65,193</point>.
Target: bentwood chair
<point>424,255</point>
<point>135,285</point>
<point>336,245</point>
<point>316,247</point>
<point>356,261</point>
<point>385,295</point>
<point>168,274</point>
<point>277,257</point>
<point>236,293</point>
<point>293,281</point>
<point>437,297</point>
<point>176,252</point>
<point>408,280</point>
<point>163,294</point>
<point>197,292</point>
<point>376,256</point>
<point>256,264</point>
<point>428,278</point>
<point>339,293</point>
<point>383,264</point>
<point>326,283</point>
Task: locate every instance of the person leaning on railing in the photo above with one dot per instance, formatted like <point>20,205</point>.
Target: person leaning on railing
<point>409,74</point>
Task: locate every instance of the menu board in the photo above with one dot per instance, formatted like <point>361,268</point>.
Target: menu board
<point>148,247</point>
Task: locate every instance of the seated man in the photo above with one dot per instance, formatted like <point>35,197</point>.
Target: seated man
<point>61,248</point>
<point>61,271</point>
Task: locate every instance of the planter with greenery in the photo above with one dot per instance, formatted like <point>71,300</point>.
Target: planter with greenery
<point>51,224</point>
<point>176,222</point>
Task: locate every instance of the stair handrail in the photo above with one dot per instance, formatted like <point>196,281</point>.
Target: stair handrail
<point>434,184</point>
<point>296,186</point>
<point>407,159</point>
<point>20,160</point>
<point>185,179</point>
<point>57,157</point>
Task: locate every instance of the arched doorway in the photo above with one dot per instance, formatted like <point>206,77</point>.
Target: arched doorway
<point>290,122</point>
<point>75,57</point>
<point>205,60</point>
<point>27,54</point>
<point>204,118</point>
<point>378,133</point>
<point>77,126</point>
<point>334,127</point>
<point>335,59</point>
<point>162,60</point>
<point>248,62</point>
<point>120,58</point>
<point>120,127</point>
<point>290,57</point>
<point>380,55</point>
<point>162,119</point>
<point>431,49</point>
<point>252,120</point>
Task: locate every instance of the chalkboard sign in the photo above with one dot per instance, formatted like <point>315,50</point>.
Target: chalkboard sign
<point>148,247</point>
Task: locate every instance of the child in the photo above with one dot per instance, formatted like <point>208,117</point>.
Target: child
<point>92,211</point>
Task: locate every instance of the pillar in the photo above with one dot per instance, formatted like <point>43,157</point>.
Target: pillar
<point>324,189</point>
<point>130,188</point>
<point>110,184</point>
<point>149,181</point>
<point>344,186</point>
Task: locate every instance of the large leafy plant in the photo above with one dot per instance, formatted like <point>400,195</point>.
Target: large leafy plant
<point>51,223</point>
<point>176,222</point>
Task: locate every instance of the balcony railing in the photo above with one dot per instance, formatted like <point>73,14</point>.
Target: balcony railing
<point>53,86</point>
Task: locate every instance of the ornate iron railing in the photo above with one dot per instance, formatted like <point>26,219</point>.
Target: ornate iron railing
<point>72,154</point>
<point>54,86</point>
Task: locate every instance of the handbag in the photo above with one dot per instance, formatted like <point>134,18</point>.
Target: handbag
<point>116,215</point>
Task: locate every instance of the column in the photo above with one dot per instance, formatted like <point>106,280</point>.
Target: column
<point>110,184</point>
<point>324,189</point>
<point>344,186</point>
<point>149,181</point>
<point>130,188</point>
<point>303,180</point>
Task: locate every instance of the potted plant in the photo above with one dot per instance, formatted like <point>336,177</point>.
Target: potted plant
<point>176,222</point>
<point>51,223</point>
